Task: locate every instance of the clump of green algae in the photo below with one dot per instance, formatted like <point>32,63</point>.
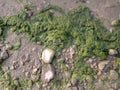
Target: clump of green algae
<point>77,27</point>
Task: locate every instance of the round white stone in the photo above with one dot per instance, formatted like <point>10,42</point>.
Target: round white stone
<point>49,75</point>
<point>47,55</point>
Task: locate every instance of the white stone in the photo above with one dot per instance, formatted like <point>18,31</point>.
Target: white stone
<point>113,52</point>
<point>113,22</point>
<point>49,75</point>
<point>102,64</point>
<point>47,55</point>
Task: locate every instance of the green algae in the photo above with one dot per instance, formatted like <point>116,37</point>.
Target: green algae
<point>77,27</point>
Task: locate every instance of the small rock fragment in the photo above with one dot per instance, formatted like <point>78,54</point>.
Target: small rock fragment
<point>9,46</point>
<point>12,68</point>
<point>34,71</point>
<point>47,73</point>
<point>27,74</point>
<point>47,55</point>
<point>113,22</point>
<point>68,85</point>
<point>102,64</point>
<point>113,52</point>
<point>113,75</point>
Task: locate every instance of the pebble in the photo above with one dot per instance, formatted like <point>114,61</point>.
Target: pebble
<point>34,71</point>
<point>48,73</point>
<point>90,60</point>
<point>113,52</point>
<point>72,52</point>
<point>9,46</point>
<point>34,77</point>
<point>34,49</point>
<point>113,22</point>
<point>68,85</point>
<point>113,75</point>
<point>102,64</point>
<point>47,55</point>
<point>12,68</point>
<point>27,74</point>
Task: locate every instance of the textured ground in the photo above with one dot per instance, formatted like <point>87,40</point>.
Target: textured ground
<point>105,10</point>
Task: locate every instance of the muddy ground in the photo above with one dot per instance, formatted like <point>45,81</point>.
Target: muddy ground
<point>105,10</point>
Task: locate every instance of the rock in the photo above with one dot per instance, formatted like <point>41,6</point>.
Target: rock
<point>114,22</point>
<point>4,54</point>
<point>9,46</point>
<point>102,64</point>
<point>74,81</point>
<point>34,72</point>
<point>113,52</point>
<point>34,77</point>
<point>113,75</point>
<point>48,73</point>
<point>12,68</point>
<point>47,55</point>
<point>27,74</point>
<point>71,52</point>
<point>68,85</point>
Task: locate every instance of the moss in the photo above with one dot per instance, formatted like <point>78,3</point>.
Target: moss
<point>17,44</point>
<point>78,27</point>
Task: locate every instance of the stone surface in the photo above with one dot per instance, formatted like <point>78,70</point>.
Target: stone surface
<point>113,52</point>
<point>102,64</point>
<point>48,73</point>
<point>47,55</point>
<point>113,22</point>
<point>9,46</point>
